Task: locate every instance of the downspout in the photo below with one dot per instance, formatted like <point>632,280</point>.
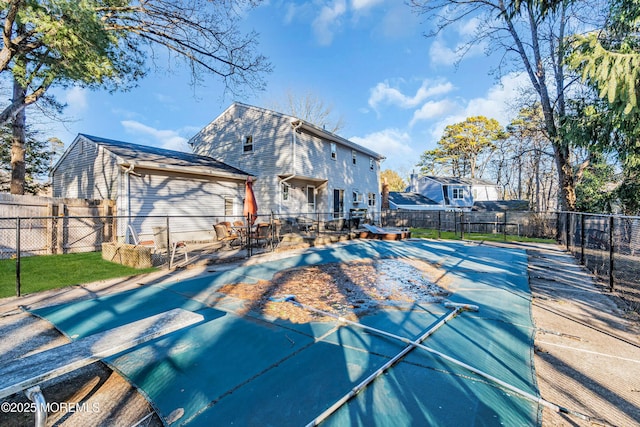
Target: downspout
<point>295,128</point>
<point>127,174</point>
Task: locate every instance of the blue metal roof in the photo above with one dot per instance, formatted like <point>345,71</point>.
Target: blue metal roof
<point>413,199</point>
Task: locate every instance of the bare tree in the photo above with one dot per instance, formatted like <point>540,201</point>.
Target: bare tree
<point>310,108</point>
<point>108,43</point>
<point>530,38</point>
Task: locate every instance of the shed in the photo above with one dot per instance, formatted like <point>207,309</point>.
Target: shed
<point>148,184</point>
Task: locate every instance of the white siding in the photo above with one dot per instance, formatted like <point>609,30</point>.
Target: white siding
<point>273,155</point>
<point>86,172</point>
<point>155,196</point>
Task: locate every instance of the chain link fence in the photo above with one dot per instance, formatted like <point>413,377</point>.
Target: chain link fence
<point>609,246</point>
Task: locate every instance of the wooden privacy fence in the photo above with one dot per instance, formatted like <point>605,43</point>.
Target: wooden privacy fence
<point>45,225</point>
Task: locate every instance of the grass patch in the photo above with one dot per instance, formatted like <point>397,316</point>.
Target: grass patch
<point>39,273</point>
<point>428,233</point>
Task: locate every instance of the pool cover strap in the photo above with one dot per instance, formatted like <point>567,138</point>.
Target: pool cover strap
<point>416,343</point>
<point>330,410</point>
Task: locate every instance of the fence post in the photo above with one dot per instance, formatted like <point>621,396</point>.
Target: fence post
<point>18,256</point>
<point>249,225</point>
<point>504,227</point>
<point>567,226</point>
<point>582,238</point>
<point>168,244</point>
<point>461,225</point>
<point>611,253</point>
<point>439,224</point>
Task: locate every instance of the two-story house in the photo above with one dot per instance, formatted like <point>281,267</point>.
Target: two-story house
<point>454,193</point>
<point>300,168</point>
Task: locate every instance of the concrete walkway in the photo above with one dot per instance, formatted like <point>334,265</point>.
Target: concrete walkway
<point>587,347</point>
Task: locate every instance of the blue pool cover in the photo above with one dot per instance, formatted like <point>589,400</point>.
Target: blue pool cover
<point>248,369</point>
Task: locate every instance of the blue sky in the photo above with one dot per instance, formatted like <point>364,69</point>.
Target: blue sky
<point>395,89</point>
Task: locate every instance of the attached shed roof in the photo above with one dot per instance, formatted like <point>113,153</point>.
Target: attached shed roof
<point>410,199</point>
<point>163,159</point>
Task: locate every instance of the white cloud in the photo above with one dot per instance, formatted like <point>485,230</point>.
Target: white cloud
<point>383,93</point>
<point>169,139</point>
<point>432,109</point>
<point>494,105</point>
<point>399,22</point>
<point>364,4</point>
<point>394,144</point>
<point>328,21</point>
<point>76,99</point>
<point>442,52</point>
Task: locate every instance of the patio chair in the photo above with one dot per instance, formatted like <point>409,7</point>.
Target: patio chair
<point>161,239</point>
<point>134,239</point>
<point>305,224</point>
<point>224,235</point>
<point>263,234</point>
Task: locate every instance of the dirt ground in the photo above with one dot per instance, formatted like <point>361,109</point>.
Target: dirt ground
<point>349,290</point>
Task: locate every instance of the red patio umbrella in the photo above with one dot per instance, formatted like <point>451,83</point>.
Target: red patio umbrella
<point>250,210</point>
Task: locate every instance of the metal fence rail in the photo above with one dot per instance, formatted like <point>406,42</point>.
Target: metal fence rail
<point>609,246</point>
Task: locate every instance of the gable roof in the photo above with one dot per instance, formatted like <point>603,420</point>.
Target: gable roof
<point>309,127</point>
<point>410,199</point>
<point>460,181</point>
<point>148,157</point>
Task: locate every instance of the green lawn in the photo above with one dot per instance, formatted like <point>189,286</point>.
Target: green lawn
<point>39,273</point>
<point>450,235</point>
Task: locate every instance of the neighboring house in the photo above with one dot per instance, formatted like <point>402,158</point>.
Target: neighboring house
<point>300,168</point>
<point>411,201</point>
<point>149,183</point>
<point>454,193</point>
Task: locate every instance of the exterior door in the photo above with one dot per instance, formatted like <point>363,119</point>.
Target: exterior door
<point>311,199</point>
<point>338,203</point>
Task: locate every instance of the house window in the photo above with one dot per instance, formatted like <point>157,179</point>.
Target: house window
<point>357,197</point>
<point>285,192</point>
<point>371,163</point>
<point>353,156</point>
<point>228,206</point>
<point>334,152</point>
<point>371,199</point>
<point>248,144</point>
<point>457,193</point>
<point>338,203</point>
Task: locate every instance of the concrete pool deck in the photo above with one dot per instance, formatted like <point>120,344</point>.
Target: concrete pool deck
<point>565,301</point>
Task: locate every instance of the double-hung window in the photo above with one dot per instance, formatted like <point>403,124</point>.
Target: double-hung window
<point>247,145</point>
<point>334,151</point>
